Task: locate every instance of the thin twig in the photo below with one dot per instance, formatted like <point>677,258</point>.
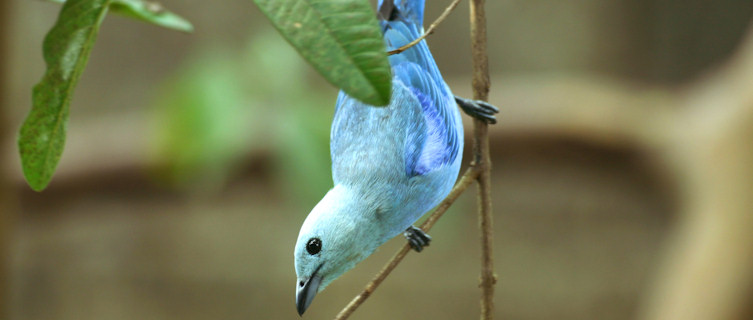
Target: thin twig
<point>429,31</point>
<point>465,181</point>
<point>483,159</point>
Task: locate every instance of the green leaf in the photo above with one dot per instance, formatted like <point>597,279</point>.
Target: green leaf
<point>341,39</point>
<point>66,50</point>
<point>148,11</point>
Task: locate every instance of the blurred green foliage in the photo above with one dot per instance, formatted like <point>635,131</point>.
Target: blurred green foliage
<point>199,120</point>
<point>341,40</point>
<point>230,105</point>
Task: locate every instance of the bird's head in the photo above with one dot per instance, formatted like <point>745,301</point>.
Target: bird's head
<point>336,235</point>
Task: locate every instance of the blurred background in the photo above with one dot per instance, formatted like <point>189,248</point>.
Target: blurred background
<point>622,164</point>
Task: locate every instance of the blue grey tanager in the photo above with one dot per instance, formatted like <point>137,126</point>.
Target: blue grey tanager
<point>390,165</point>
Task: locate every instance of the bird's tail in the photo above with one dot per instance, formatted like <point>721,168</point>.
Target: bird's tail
<point>402,22</point>
<point>408,11</point>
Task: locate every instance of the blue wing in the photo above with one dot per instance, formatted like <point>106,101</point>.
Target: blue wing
<point>422,111</point>
<point>416,69</point>
<point>437,144</point>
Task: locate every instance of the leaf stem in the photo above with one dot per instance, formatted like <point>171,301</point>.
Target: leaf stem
<point>429,31</point>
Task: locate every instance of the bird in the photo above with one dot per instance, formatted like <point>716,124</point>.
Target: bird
<point>390,165</point>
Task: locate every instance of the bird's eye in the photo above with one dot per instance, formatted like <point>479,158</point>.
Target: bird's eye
<point>314,246</point>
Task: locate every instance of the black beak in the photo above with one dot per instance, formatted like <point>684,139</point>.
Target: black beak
<point>305,292</point>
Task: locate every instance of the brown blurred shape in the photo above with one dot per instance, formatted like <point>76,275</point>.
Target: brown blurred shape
<point>6,196</point>
<point>702,134</point>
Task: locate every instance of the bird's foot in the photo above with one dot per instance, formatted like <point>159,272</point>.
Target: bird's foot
<point>417,238</point>
<point>478,109</point>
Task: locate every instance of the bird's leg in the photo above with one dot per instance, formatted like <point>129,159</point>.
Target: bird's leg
<point>417,238</point>
<point>478,109</point>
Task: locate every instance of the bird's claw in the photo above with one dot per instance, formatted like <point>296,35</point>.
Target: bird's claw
<point>478,109</point>
<point>417,238</point>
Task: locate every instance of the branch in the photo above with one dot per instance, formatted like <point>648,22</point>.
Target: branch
<point>429,31</point>
<point>482,158</point>
<point>465,181</point>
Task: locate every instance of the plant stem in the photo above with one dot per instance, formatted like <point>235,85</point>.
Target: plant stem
<point>482,157</point>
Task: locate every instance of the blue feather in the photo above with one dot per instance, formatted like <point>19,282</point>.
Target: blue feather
<point>438,139</point>
<point>415,68</point>
<point>390,164</point>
